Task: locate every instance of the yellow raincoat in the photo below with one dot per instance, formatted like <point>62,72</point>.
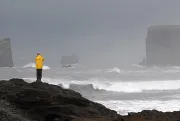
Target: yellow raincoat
<point>39,61</point>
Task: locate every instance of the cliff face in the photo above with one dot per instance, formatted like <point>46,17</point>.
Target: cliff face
<point>6,53</point>
<point>162,45</point>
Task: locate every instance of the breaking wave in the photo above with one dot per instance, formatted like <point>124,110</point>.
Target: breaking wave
<point>138,66</point>
<point>120,86</point>
<point>115,69</point>
<point>32,65</point>
<point>123,107</point>
<point>176,67</point>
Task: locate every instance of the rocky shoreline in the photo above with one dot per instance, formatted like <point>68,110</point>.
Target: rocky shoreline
<point>21,101</point>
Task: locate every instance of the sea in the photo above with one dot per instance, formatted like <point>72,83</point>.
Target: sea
<point>124,90</point>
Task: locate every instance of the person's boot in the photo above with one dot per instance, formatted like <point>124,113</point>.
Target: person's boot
<point>38,80</point>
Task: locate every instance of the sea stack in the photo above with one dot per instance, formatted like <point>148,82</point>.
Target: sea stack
<point>6,59</point>
<point>163,45</point>
<point>69,61</point>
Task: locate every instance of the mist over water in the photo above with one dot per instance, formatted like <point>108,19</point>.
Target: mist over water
<point>124,90</point>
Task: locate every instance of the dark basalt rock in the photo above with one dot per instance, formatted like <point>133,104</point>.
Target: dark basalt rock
<point>45,102</point>
<point>153,115</point>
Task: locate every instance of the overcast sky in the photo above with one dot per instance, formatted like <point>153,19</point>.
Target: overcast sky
<point>106,32</point>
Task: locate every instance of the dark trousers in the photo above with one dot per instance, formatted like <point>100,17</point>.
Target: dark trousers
<point>39,74</point>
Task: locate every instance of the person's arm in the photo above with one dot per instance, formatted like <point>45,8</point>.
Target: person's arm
<point>42,58</point>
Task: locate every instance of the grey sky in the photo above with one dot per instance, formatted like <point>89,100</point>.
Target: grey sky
<point>110,30</point>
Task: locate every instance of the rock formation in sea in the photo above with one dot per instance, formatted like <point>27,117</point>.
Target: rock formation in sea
<point>69,61</point>
<point>6,59</point>
<point>162,45</point>
<point>22,101</point>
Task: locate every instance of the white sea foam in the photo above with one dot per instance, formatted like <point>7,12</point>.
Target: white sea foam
<point>144,85</point>
<point>118,86</point>
<point>176,67</point>
<point>32,65</point>
<point>130,87</point>
<point>115,69</point>
<point>138,66</point>
<point>123,107</point>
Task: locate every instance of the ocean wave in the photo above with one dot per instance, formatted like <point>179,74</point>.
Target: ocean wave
<point>115,69</point>
<point>124,107</point>
<point>176,67</point>
<point>138,66</point>
<point>130,87</point>
<point>117,86</point>
<point>32,65</point>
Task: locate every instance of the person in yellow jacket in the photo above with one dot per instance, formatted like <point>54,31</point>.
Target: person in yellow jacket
<point>39,66</point>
